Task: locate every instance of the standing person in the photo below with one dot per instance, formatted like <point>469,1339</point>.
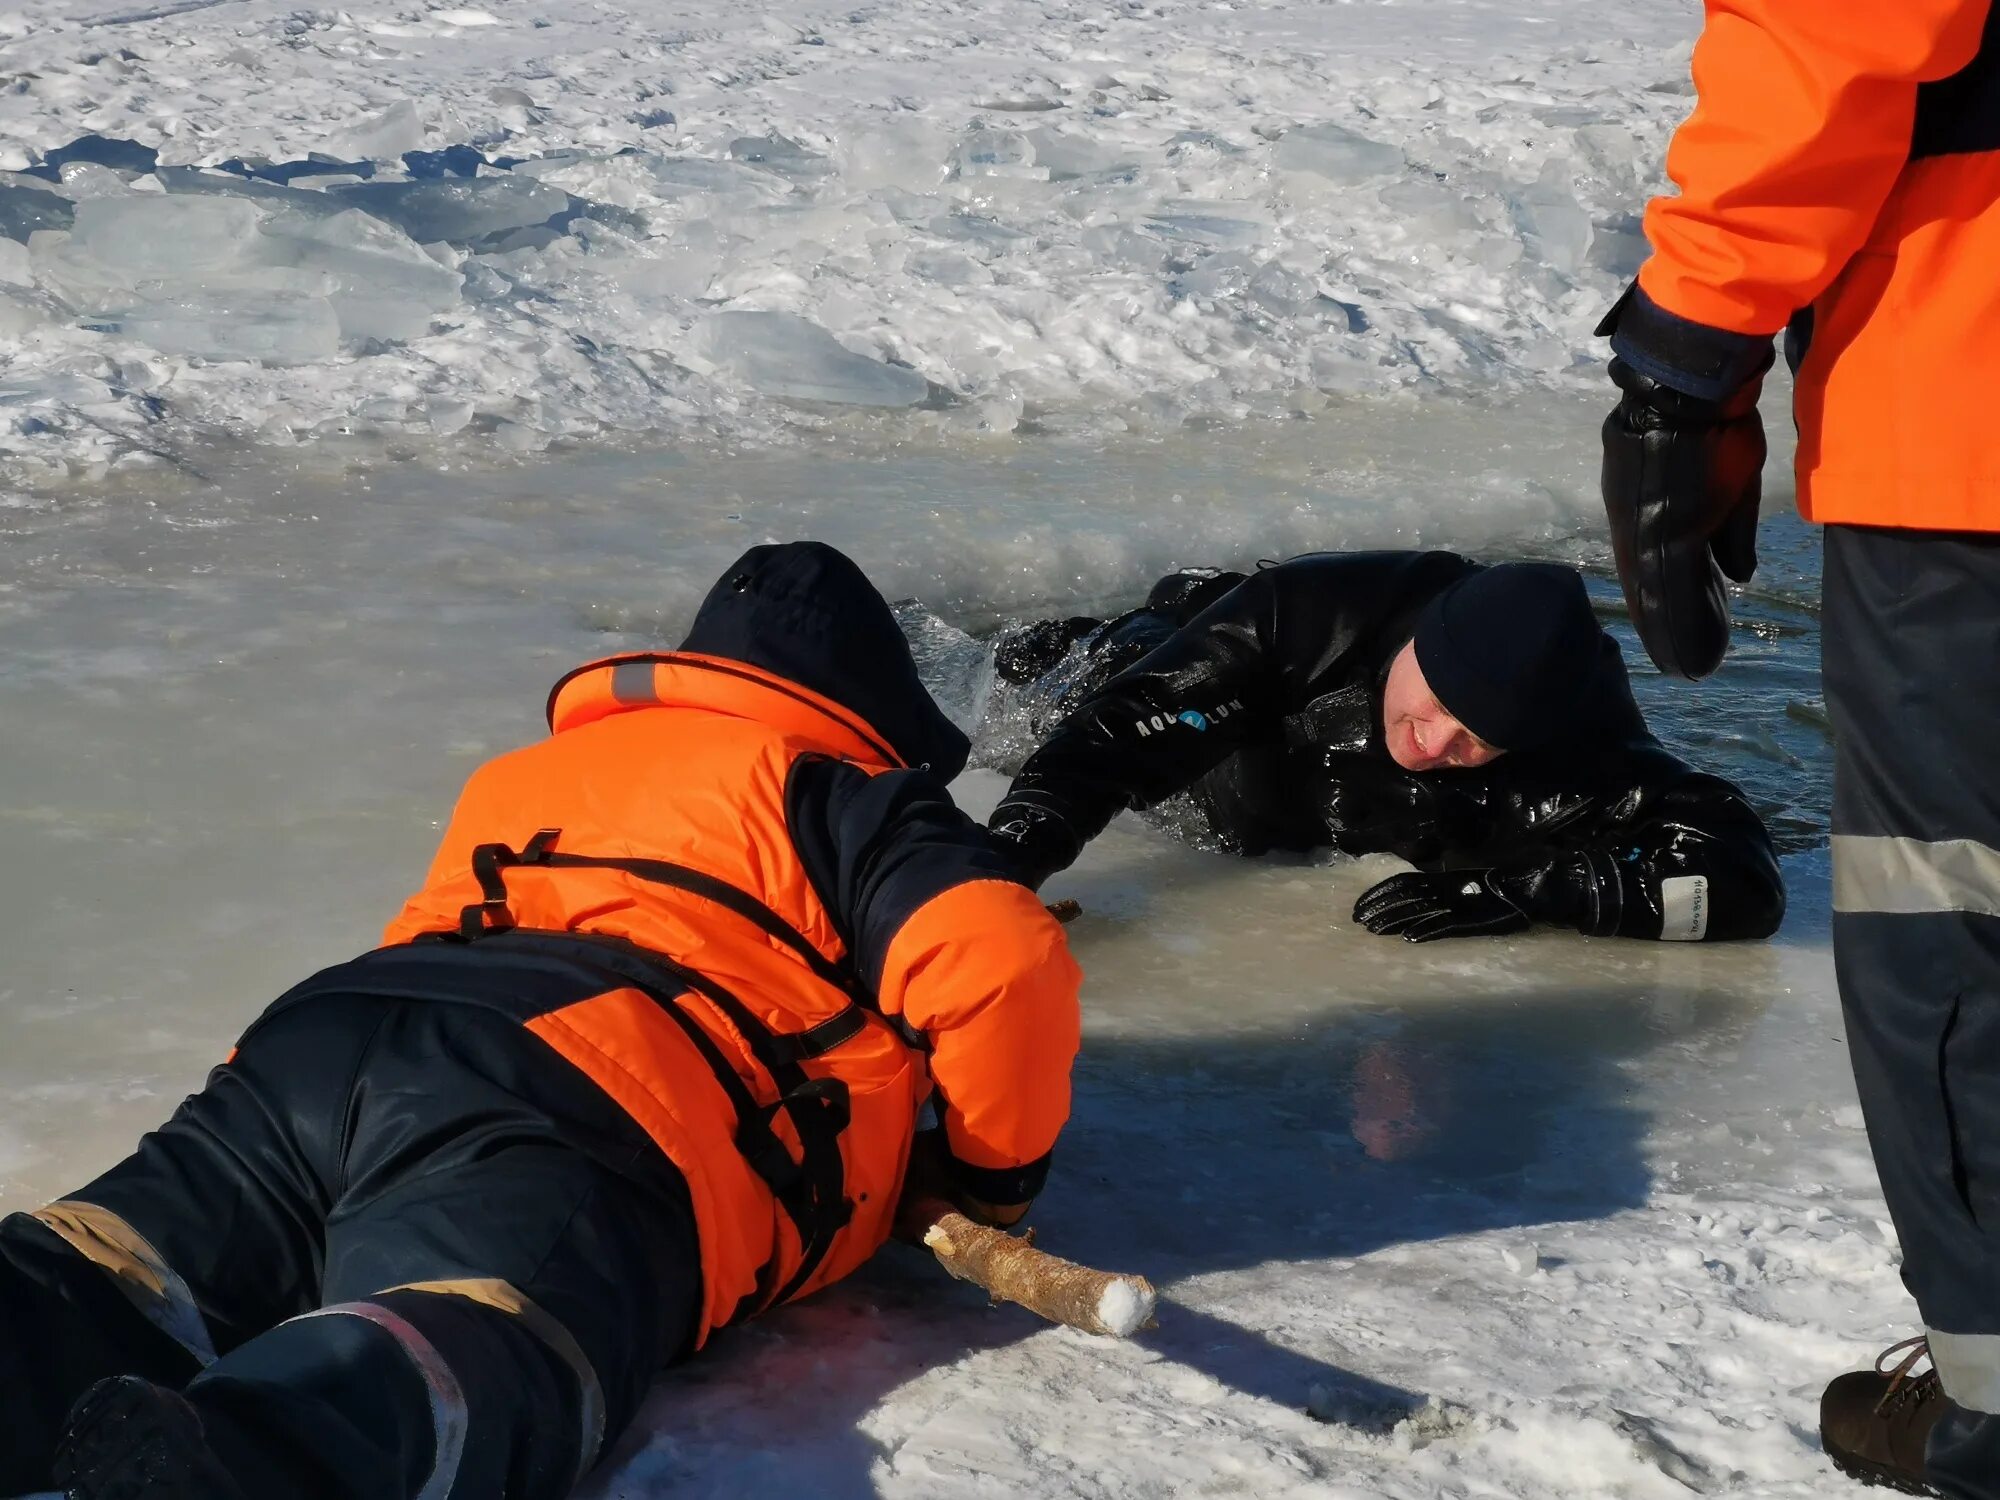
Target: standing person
<point>643,1057</point>
<point>1840,177</point>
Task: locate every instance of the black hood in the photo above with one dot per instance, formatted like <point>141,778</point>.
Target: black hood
<point>804,611</point>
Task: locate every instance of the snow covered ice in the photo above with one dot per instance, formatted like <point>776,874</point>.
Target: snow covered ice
<point>1083,215</point>
<point>1022,310</point>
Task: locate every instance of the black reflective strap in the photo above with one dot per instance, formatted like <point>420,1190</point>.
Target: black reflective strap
<point>488,860</point>
<point>811,1190</point>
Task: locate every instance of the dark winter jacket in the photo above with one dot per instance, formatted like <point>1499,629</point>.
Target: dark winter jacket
<point>1266,706</point>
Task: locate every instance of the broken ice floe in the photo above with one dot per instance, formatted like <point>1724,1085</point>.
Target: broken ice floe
<point>1002,265</point>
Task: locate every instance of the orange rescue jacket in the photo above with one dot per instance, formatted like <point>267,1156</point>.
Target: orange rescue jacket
<point>795,938</point>
<point>1841,173</point>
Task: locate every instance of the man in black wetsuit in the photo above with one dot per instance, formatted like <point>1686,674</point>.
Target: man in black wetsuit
<point>1476,721</point>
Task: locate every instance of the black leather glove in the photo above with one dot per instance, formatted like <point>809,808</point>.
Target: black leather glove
<point>1420,906</point>
<point>1683,463</point>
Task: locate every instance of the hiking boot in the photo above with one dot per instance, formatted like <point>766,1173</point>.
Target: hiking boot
<point>1875,1424</point>
<point>129,1439</point>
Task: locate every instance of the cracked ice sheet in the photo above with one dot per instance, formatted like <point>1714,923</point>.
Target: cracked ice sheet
<point>1068,214</point>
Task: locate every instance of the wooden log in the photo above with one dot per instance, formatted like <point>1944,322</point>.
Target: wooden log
<point>1010,1269</point>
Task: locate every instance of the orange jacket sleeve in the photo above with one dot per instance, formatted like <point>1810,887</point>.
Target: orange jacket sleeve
<point>985,973</point>
<point>1801,128</point>
<point>955,949</point>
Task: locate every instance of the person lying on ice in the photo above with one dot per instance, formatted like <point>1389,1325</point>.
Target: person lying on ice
<point>1474,720</point>
<point>643,1058</point>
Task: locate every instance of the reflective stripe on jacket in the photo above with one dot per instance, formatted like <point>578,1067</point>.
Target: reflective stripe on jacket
<point>753,927</point>
<point>1842,168</point>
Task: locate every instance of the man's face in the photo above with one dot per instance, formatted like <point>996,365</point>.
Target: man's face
<point>1421,736</point>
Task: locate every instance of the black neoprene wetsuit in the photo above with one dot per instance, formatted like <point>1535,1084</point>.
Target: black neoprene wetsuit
<point>1262,697</point>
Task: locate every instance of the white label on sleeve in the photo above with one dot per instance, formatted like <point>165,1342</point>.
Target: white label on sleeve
<point>1684,909</point>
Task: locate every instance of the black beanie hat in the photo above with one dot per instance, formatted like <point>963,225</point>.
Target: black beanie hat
<point>804,611</point>
<point>1510,652</point>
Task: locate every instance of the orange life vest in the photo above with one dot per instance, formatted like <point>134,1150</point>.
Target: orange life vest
<point>644,863</point>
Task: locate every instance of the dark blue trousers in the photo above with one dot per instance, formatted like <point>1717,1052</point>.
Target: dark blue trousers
<point>395,1250</point>
<point>1912,672</point>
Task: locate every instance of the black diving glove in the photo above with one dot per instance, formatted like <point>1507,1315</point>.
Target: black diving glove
<point>1683,463</point>
<point>1035,841</point>
<point>1420,906</point>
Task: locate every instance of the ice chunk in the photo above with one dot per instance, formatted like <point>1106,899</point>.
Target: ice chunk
<point>1217,224</point>
<point>379,282</point>
<point>1069,155</point>
<point>780,154</point>
<point>271,327</point>
<point>784,355</point>
<point>1337,154</point>
<point>985,152</point>
<point>19,311</point>
<point>901,151</point>
<point>1554,225</point>
<point>456,210</point>
<point>182,237</point>
<point>201,181</point>
<point>25,209</point>
<point>382,137</point>
<point>179,264</point>
<point>696,176</point>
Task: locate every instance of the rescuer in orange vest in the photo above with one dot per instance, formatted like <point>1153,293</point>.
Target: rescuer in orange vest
<point>645,1056</point>
<point>1840,180</point>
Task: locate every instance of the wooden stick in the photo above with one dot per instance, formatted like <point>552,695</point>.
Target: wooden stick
<point>1010,1269</point>
<point>1066,910</point>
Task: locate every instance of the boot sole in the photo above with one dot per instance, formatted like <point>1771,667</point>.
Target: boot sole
<point>122,1444</point>
<point>1875,1474</point>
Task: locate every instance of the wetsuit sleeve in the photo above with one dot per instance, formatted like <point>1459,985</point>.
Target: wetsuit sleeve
<point>1656,849</point>
<point>1801,128</point>
<point>1157,727</point>
<point>958,951</point>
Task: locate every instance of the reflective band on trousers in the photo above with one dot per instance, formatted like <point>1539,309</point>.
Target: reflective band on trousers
<point>506,1298</point>
<point>1910,876</point>
<point>1969,1366</point>
<point>448,1413</point>
<point>141,1273</point>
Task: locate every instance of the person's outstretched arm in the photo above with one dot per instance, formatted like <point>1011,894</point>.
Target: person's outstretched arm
<point>959,952</point>
<point>1155,728</point>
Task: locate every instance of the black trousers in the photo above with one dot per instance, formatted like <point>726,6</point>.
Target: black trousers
<point>394,1249</point>
<point>1912,672</point>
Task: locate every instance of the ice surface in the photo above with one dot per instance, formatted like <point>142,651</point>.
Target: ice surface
<point>792,358</point>
<point>1544,1217</point>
